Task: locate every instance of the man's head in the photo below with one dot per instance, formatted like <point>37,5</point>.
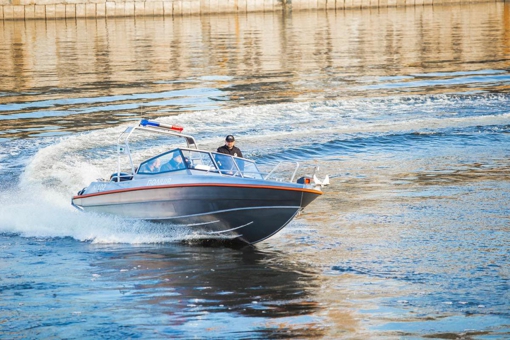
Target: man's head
<point>230,141</point>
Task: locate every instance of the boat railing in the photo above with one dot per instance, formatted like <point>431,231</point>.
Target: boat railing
<point>195,159</point>
<point>238,173</point>
<point>220,163</point>
<point>224,165</point>
<point>276,176</point>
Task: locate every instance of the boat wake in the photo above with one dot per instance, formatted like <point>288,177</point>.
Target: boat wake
<point>47,217</point>
<point>39,176</point>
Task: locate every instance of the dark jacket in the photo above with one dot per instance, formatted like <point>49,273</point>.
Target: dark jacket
<point>233,152</point>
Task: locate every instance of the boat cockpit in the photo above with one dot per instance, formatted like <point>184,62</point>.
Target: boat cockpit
<point>197,162</point>
<point>185,161</point>
<point>191,160</point>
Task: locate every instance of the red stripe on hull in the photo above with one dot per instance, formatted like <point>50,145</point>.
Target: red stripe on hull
<point>317,192</point>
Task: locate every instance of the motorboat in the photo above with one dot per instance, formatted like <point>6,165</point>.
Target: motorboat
<point>214,194</point>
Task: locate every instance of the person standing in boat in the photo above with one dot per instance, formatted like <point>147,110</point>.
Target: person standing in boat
<point>229,148</point>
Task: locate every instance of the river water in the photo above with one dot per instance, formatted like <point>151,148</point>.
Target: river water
<point>406,109</point>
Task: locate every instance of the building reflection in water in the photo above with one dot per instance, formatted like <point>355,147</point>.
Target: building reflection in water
<point>68,75</point>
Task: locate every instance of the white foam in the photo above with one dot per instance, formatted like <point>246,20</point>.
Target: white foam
<point>33,214</point>
<point>300,122</point>
<point>40,204</point>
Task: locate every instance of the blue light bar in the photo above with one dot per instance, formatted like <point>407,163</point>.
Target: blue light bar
<point>146,122</point>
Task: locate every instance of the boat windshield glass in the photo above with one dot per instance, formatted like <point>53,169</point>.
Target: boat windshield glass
<point>226,164</point>
<point>169,161</point>
<point>200,160</point>
<point>180,159</point>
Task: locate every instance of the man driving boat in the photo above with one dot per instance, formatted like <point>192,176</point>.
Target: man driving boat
<point>229,148</point>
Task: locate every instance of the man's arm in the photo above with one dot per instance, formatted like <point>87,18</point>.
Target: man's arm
<point>239,153</point>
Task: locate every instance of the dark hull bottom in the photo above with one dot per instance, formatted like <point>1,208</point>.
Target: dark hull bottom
<point>247,226</point>
<point>247,214</point>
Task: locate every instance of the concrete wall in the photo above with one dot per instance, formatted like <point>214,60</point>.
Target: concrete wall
<point>70,9</point>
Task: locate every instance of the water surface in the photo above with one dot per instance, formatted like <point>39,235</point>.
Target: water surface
<point>405,109</point>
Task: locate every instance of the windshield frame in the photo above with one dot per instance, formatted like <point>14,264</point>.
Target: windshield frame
<point>203,161</point>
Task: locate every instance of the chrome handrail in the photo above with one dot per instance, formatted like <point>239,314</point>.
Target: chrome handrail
<point>278,165</point>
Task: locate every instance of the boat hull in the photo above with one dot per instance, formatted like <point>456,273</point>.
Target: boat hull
<point>249,213</point>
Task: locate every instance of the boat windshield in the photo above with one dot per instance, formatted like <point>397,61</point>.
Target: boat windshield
<point>180,159</point>
<point>168,161</point>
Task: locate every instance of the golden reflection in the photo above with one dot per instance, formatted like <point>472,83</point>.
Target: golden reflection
<point>252,59</point>
<point>506,39</point>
